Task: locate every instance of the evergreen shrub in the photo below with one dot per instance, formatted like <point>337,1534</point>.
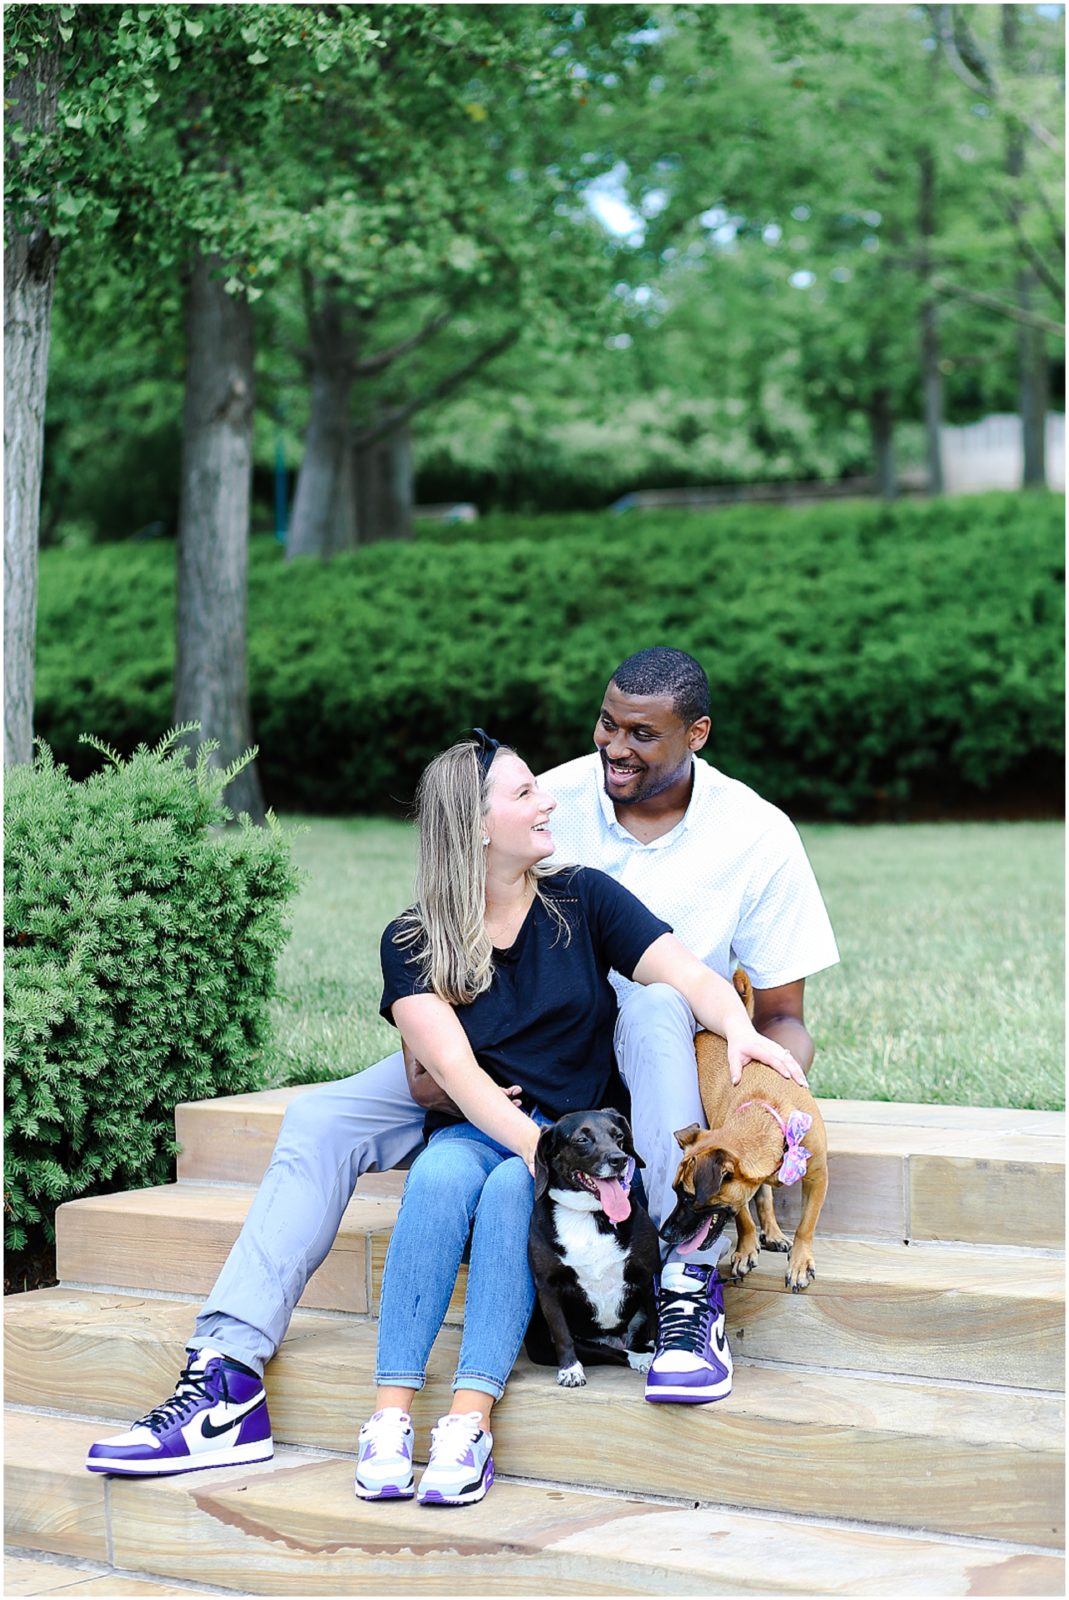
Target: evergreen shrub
<point>140,941</point>
<point>861,655</point>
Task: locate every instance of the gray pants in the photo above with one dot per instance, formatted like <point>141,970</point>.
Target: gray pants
<point>370,1123</point>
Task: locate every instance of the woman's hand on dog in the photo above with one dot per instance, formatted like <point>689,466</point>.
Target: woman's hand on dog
<point>717,1006</point>
<point>749,1045</point>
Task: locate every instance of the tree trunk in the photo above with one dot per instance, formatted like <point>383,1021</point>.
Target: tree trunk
<point>1032,380</point>
<point>384,487</point>
<point>881,427</point>
<point>1031,346</point>
<point>211,684</point>
<point>929,330</point>
<point>29,278</point>
<point>324,519</point>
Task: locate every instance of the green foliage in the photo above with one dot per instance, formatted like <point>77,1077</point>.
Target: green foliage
<point>160,112</point>
<point>539,450</point>
<point>788,244</point>
<point>406,166</point>
<point>861,654</point>
<point>421,161</point>
<point>140,947</point>
<point>113,423</point>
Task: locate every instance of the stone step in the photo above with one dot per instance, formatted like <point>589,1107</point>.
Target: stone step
<point>63,1578</point>
<point>927,1310</point>
<point>176,1237</point>
<point>976,1461</point>
<point>293,1526</point>
<point>964,1173</point>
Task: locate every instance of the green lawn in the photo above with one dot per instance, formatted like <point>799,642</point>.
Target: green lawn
<point>950,988</point>
<point>951,985</point>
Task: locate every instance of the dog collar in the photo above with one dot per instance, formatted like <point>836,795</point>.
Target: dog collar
<point>795,1154</point>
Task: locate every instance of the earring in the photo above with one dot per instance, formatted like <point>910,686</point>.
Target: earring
<point>486,838</point>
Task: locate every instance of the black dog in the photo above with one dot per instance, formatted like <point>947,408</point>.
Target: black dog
<point>593,1248</point>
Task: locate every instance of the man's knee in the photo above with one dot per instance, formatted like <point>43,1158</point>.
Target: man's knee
<point>655,1024</point>
<point>656,1003</point>
<point>353,1115</point>
<point>307,1120</point>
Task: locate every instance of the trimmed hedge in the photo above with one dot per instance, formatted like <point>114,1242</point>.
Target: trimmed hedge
<point>861,654</point>
<point>140,945</point>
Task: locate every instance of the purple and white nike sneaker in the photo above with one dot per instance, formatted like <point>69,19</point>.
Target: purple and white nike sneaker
<point>461,1468</point>
<point>217,1417</point>
<point>384,1457</point>
<point>692,1362</point>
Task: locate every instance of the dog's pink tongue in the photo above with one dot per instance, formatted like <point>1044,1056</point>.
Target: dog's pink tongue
<point>613,1197</point>
<point>698,1239</point>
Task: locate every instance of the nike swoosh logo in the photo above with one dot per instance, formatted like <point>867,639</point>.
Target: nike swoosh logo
<point>209,1431</point>
<point>721,1339</point>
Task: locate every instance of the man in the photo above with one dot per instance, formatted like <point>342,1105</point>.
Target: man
<point>728,871</point>
<point>708,855</point>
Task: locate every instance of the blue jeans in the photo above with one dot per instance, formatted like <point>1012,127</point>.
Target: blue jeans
<point>462,1189</point>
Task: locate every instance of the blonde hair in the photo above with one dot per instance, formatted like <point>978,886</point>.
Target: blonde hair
<point>446,925</point>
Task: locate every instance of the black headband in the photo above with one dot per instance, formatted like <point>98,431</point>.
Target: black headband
<point>485,748</point>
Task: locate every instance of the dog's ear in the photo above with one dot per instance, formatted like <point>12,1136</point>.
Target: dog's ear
<point>683,1182</point>
<point>715,1168</point>
<point>687,1136</point>
<point>541,1163</point>
<point>708,1178</point>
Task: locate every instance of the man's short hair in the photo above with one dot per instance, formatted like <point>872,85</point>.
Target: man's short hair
<point>664,671</point>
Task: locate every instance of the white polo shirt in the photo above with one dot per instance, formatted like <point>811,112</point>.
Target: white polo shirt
<point>732,877</point>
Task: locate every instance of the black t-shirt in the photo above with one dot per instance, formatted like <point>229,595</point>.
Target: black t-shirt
<point>546,1022</point>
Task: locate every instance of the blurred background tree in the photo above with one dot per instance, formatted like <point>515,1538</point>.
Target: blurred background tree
<point>231,145</point>
<point>530,256</point>
<point>764,301</point>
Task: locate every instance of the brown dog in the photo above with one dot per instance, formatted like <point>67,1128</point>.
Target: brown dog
<point>758,1139</point>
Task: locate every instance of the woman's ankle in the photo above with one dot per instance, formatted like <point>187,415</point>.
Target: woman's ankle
<point>466,1402</point>
<point>393,1398</point>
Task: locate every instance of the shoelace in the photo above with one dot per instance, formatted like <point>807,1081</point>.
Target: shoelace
<point>683,1326</point>
<point>455,1437</point>
<point>387,1436</point>
<point>191,1390</point>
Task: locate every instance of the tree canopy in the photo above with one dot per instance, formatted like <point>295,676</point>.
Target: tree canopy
<point>425,175</point>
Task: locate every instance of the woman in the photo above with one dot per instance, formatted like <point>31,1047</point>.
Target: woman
<point>497,979</point>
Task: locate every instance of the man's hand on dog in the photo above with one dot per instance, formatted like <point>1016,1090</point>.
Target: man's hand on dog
<point>753,1046</point>
<point>427,1092</point>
